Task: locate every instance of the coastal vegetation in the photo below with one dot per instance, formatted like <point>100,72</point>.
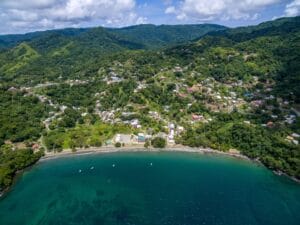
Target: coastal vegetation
<point>13,161</point>
<point>82,136</point>
<point>158,142</point>
<point>230,132</point>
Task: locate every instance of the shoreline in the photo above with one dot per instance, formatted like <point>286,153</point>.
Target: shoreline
<point>131,148</point>
<point>139,148</point>
<point>175,148</point>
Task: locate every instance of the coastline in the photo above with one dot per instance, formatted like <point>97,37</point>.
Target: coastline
<point>173,148</point>
<point>131,148</point>
<point>139,148</point>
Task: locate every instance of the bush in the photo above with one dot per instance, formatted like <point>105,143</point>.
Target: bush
<point>96,143</point>
<point>118,145</point>
<point>147,144</point>
<point>158,142</point>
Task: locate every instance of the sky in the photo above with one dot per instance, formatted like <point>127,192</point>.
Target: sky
<point>22,16</point>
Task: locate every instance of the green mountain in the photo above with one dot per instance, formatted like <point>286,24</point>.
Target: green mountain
<point>165,35</point>
<point>68,51</point>
<point>230,89</point>
<point>149,36</point>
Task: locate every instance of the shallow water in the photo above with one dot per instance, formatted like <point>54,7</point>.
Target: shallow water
<point>151,189</point>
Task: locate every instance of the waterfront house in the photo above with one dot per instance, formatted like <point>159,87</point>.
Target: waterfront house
<point>141,138</point>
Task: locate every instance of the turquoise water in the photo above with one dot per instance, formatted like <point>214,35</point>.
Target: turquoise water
<point>150,189</point>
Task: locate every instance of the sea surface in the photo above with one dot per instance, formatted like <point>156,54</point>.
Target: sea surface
<point>150,189</point>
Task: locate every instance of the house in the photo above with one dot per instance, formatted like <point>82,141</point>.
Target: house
<point>196,117</point>
<point>182,95</point>
<point>257,103</point>
<point>63,108</point>
<point>290,119</point>
<point>154,114</point>
<point>193,89</point>
<point>270,124</point>
<point>124,138</point>
<point>134,123</point>
<point>12,89</point>
<point>125,114</point>
<point>178,69</point>
<point>180,129</point>
<point>289,138</point>
<point>171,134</point>
<point>35,146</point>
<point>171,126</point>
<point>108,142</point>
<point>148,136</point>
<point>162,135</point>
<point>141,137</point>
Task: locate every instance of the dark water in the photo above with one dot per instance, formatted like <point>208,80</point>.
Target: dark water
<point>176,189</point>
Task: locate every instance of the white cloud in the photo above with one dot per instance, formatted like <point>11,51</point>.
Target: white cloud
<point>204,10</point>
<point>24,15</point>
<point>293,9</point>
<point>25,4</point>
<point>170,10</point>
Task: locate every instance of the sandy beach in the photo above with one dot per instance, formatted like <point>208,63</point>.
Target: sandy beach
<point>138,148</point>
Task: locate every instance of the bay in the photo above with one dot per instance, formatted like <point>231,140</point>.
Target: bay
<point>151,189</point>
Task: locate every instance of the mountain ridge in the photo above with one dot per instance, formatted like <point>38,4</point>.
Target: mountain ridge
<point>11,40</point>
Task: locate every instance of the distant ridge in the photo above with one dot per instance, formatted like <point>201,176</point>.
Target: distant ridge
<point>148,35</point>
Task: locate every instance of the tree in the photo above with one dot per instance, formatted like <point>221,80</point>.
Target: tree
<point>118,145</point>
<point>158,142</point>
<point>147,144</point>
<point>96,143</point>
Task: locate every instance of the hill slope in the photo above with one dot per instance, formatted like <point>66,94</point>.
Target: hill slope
<point>150,36</point>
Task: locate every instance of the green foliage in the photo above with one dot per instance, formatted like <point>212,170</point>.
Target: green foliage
<point>254,141</point>
<point>12,161</point>
<point>165,35</point>
<point>20,116</point>
<point>82,136</point>
<point>147,144</point>
<point>158,142</point>
<point>118,145</point>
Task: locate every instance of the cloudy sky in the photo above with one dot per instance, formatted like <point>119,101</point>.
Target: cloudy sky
<point>21,16</point>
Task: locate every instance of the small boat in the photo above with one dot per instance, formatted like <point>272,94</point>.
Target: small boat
<point>151,164</point>
<point>79,171</point>
<point>92,168</point>
<point>113,165</point>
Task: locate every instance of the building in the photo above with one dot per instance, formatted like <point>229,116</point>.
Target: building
<point>162,135</point>
<point>196,117</point>
<point>141,138</point>
<point>124,138</point>
<point>270,124</point>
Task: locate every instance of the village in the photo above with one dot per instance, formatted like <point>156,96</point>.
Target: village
<point>213,96</point>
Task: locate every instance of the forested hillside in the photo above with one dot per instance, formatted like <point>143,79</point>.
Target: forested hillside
<point>149,36</point>
<point>231,90</point>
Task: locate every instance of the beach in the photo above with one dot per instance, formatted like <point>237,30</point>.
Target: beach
<point>140,148</point>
